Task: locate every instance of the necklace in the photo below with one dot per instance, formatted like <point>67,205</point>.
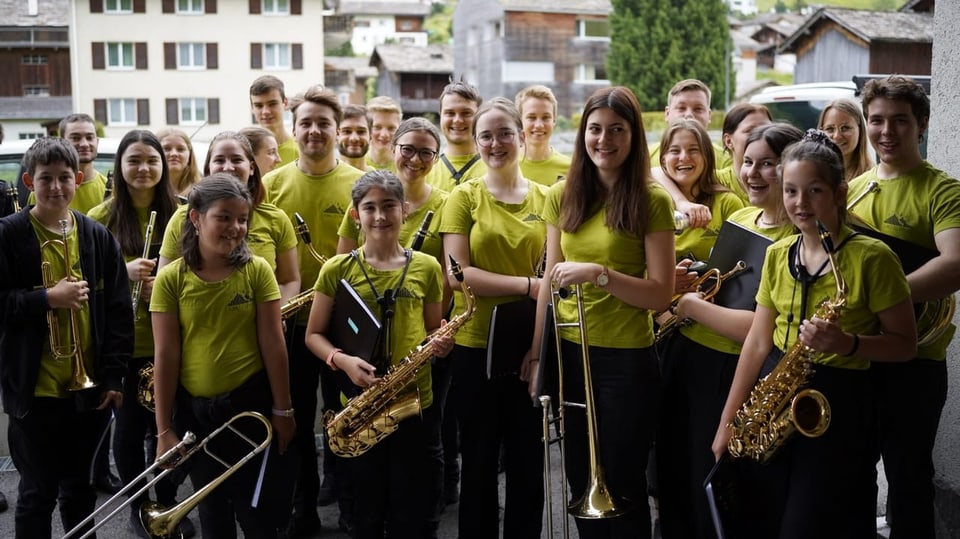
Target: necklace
<point>761,221</point>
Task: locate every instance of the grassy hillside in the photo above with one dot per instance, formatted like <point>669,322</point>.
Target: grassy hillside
<point>767,5</point>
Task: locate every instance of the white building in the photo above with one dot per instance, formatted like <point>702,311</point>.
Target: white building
<point>154,63</point>
<point>747,7</point>
<point>376,23</point>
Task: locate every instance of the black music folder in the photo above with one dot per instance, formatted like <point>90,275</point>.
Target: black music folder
<point>736,243</point>
<point>511,331</point>
<point>354,328</point>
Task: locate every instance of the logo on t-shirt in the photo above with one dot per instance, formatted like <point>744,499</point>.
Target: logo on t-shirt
<point>897,221</point>
<point>240,299</point>
<point>405,292</point>
<point>532,218</point>
<point>335,209</point>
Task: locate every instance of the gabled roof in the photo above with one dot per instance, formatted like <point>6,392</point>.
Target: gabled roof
<point>369,7</point>
<point>918,5</point>
<point>33,108</point>
<point>414,58</point>
<point>49,13</point>
<point>585,7</point>
<point>868,26</point>
<point>360,65</point>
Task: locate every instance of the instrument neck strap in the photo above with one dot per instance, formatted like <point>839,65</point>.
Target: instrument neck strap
<point>381,354</point>
<point>458,174</point>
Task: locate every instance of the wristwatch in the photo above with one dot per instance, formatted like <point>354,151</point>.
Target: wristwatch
<point>603,279</point>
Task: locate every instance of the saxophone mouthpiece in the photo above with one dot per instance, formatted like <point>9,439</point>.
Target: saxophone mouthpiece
<point>825,238</point>
<point>302,228</point>
<point>455,269</point>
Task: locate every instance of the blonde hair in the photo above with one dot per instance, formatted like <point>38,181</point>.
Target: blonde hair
<point>191,172</point>
<point>860,160</point>
<point>537,91</point>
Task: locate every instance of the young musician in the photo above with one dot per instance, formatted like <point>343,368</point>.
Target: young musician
<point>53,431</point>
<point>81,132</point>
<point>538,109</point>
<point>394,485</point>
<point>220,351</point>
<point>353,139</point>
<point>610,230</point>
<point>141,185</point>
<point>383,117</point>
<point>181,159</point>
<point>822,486</point>
<point>460,161</point>
<point>920,204</point>
<point>264,148</point>
<point>843,122</point>
<point>267,103</point>
<point>492,226</point>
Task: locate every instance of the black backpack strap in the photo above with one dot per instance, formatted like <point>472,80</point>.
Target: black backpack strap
<point>458,174</point>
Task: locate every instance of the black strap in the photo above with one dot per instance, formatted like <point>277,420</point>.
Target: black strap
<point>381,354</point>
<point>458,174</point>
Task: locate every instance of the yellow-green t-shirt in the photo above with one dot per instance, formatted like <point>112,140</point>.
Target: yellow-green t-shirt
<point>547,171</point>
<point>219,349</point>
<point>914,207</point>
<point>288,151</point>
<point>90,193</point>
<point>390,165</point>
<point>699,241</point>
<point>728,178</point>
<point>441,177</point>
<point>870,291</point>
<point>611,322</point>
<point>55,374</point>
<point>504,238</point>
<point>423,284</point>
<point>432,244</point>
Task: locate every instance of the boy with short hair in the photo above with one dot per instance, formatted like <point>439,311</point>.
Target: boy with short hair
<point>52,431</point>
<point>267,103</point>
<point>383,117</point>
<point>538,111</point>
<point>80,130</point>
<point>460,161</point>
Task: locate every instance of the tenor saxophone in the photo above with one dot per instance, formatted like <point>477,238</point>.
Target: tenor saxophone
<point>376,413</point>
<point>780,404</point>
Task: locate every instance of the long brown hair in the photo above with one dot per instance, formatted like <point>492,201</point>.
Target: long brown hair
<point>707,184</point>
<point>627,202</point>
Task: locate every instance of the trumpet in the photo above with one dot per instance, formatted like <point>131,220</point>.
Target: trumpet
<point>305,298</point>
<point>672,322</point>
<point>138,287</point>
<point>14,195</point>
<point>73,348</point>
<point>160,522</point>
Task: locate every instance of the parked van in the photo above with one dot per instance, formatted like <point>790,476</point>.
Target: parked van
<point>800,104</point>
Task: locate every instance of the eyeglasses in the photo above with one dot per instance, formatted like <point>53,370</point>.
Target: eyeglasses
<point>409,150</point>
<point>833,129</point>
<point>503,137</point>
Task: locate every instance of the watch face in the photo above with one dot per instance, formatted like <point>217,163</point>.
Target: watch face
<point>603,279</point>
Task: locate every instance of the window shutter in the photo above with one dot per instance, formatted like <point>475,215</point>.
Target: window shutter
<point>256,56</point>
<point>139,6</point>
<point>213,110</point>
<point>210,6</point>
<point>96,6</point>
<point>99,59</point>
<point>296,7</point>
<point>169,55</point>
<point>143,112</point>
<point>140,53</point>
<point>296,55</point>
<point>172,117</point>
<point>212,60</point>
<point>168,7</point>
<point>100,110</point>
<point>254,7</point>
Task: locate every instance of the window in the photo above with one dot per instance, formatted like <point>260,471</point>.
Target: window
<point>193,110</point>
<point>119,55</point>
<point>118,6</point>
<point>30,136</point>
<point>190,7</point>
<point>191,56</point>
<point>591,73</point>
<point>527,72</point>
<point>36,90</point>
<point>276,7</point>
<point>35,59</point>
<point>276,55</point>
<point>593,29</point>
<point>122,112</point>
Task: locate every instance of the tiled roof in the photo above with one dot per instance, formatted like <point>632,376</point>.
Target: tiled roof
<point>384,8</point>
<point>30,108</point>
<point>360,65</point>
<point>870,25</point>
<point>414,58</point>
<point>592,7</point>
<point>49,13</point>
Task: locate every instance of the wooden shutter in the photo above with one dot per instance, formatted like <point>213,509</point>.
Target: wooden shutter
<point>213,110</point>
<point>96,6</point>
<point>140,54</point>
<point>173,118</point>
<point>256,56</point>
<point>100,110</point>
<point>169,55</point>
<point>99,59</point>
<point>212,59</point>
<point>210,6</point>
<point>139,6</point>
<point>296,55</point>
<point>296,7</point>
<point>143,112</point>
<point>168,6</point>
<point>254,7</point>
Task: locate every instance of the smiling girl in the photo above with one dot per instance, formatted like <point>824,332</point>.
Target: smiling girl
<point>842,120</point>
<point>181,159</point>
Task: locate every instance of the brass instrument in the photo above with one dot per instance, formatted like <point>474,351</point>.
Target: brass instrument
<point>145,394</point>
<point>376,413</point>
<point>597,501</point>
<point>14,195</point>
<point>779,405</point>
<point>160,522</point>
<point>669,323</point>
<point>933,316</point>
<point>73,348</point>
<point>138,286</point>
<point>293,305</point>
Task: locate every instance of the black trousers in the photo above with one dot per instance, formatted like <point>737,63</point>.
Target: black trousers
<point>304,380</point>
<point>491,412</point>
<point>52,448</point>
<point>910,399</point>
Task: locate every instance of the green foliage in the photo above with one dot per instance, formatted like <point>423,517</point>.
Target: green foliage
<point>344,50</point>
<point>370,88</point>
<point>656,43</point>
<point>439,24</point>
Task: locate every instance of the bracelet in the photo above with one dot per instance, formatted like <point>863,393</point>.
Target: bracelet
<point>282,413</point>
<point>856,345</point>
<point>330,358</point>
<point>164,431</point>
<point>528,287</point>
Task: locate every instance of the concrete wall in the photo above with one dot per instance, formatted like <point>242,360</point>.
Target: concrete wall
<point>944,152</point>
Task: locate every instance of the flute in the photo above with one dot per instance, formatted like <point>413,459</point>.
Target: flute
<point>138,287</point>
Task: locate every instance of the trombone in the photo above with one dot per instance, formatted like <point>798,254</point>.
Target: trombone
<point>597,501</point>
<point>158,521</point>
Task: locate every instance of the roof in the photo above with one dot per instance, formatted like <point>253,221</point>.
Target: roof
<point>869,25</point>
<point>420,8</point>
<point>360,65</point>
<point>918,5</point>
<point>49,13</point>
<point>586,7</point>
<point>35,108</point>
<point>414,58</point>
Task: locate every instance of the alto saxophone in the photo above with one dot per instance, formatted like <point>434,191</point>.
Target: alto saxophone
<point>376,413</point>
<point>779,404</point>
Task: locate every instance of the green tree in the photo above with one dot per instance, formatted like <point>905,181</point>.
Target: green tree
<point>655,43</point>
<point>439,24</point>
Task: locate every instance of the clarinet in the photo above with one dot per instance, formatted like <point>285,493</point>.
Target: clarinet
<point>138,287</point>
<point>422,232</point>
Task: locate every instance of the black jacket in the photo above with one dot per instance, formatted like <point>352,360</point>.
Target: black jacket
<point>23,308</point>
